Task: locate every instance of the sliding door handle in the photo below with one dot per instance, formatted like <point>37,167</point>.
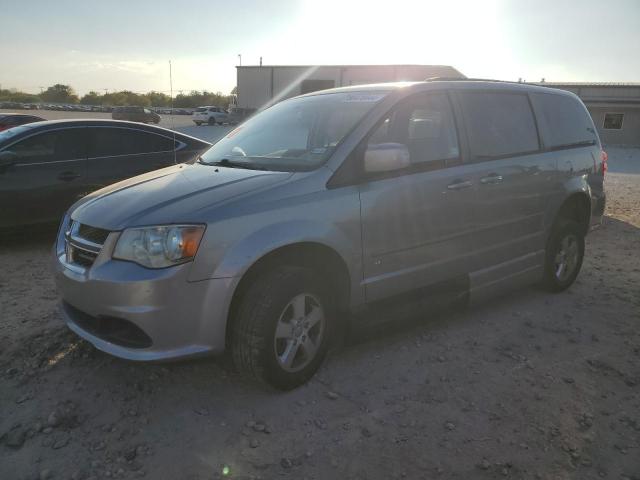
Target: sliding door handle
<point>459,185</point>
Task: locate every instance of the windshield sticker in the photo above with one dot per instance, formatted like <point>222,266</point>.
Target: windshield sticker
<point>318,151</point>
<point>363,97</point>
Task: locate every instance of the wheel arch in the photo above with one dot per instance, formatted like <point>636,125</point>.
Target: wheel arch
<point>311,254</point>
<point>576,207</point>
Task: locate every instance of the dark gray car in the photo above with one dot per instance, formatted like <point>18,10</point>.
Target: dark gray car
<point>46,166</point>
<point>337,201</point>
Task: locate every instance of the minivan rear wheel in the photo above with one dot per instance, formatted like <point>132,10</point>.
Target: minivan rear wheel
<point>212,121</point>
<point>563,256</point>
<point>281,332</point>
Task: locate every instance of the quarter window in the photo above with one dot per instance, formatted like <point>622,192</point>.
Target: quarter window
<point>563,120</point>
<point>613,121</point>
<point>499,124</point>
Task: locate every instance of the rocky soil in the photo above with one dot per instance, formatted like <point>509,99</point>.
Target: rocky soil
<point>528,386</point>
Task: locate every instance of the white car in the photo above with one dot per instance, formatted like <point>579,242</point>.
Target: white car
<point>210,115</point>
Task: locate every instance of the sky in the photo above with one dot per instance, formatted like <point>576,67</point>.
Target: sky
<point>116,44</point>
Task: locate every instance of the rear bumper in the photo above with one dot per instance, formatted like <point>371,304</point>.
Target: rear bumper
<point>142,314</point>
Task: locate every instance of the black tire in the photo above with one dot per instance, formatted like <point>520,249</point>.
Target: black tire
<point>253,336</point>
<point>198,123</point>
<point>555,279</point>
<point>212,121</point>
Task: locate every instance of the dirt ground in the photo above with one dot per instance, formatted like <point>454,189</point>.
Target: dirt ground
<point>527,386</point>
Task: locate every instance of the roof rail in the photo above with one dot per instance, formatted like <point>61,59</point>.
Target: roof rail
<point>458,79</point>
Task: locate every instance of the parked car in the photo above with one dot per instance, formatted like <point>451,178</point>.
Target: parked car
<point>135,114</point>
<point>337,201</point>
<point>46,166</point>
<point>10,120</point>
<point>238,115</point>
<point>12,105</point>
<point>209,115</point>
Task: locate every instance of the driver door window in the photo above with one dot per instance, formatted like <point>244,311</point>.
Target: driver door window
<point>425,125</point>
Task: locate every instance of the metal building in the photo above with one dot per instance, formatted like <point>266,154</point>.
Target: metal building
<point>260,86</point>
<point>614,107</point>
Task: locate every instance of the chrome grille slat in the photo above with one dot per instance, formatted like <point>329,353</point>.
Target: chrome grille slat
<point>81,243</point>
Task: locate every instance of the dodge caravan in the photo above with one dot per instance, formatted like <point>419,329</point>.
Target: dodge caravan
<point>333,202</point>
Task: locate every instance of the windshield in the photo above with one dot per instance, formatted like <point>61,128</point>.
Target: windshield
<point>201,109</point>
<point>295,135</point>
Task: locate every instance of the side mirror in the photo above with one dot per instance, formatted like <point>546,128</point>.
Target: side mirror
<point>7,159</point>
<point>386,157</point>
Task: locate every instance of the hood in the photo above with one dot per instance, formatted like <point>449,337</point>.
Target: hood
<point>170,195</point>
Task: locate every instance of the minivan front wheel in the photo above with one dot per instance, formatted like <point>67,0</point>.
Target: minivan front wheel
<point>282,327</point>
<point>212,121</point>
<point>564,255</point>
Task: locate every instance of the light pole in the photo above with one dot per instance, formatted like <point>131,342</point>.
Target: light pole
<point>240,59</point>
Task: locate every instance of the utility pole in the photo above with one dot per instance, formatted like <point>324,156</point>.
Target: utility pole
<point>41,89</point>
<point>240,59</point>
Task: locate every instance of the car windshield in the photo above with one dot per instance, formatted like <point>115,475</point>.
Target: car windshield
<point>295,135</point>
<point>201,109</point>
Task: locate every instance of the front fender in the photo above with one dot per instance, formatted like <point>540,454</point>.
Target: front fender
<point>244,253</point>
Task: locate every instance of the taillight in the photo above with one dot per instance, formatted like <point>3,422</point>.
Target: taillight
<point>604,158</point>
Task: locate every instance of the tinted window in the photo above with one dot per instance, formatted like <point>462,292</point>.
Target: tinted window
<point>499,124</point>
<point>51,146</point>
<point>106,142</point>
<point>562,120</point>
<point>425,125</point>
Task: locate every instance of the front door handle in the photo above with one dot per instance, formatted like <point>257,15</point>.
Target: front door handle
<point>459,185</point>
<point>68,176</point>
<point>491,179</point>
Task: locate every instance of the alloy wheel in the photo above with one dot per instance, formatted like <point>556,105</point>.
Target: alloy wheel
<point>299,332</point>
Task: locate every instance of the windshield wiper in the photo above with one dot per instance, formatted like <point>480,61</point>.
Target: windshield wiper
<point>225,162</point>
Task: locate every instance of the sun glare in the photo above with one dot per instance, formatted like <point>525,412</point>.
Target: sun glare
<point>464,34</point>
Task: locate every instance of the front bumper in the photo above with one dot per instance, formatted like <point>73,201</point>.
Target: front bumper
<point>142,314</point>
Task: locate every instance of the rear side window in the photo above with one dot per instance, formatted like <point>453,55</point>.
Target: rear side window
<point>110,142</point>
<point>499,124</point>
<point>563,121</point>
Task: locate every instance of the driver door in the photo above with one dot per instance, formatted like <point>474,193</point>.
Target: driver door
<point>416,222</point>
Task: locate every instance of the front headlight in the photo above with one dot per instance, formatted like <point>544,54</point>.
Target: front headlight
<point>160,246</point>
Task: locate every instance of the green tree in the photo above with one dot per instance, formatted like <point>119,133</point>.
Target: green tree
<point>60,94</point>
<point>91,98</point>
<point>158,99</point>
<point>17,96</point>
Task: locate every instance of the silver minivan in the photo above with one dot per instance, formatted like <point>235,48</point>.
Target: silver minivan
<point>329,203</point>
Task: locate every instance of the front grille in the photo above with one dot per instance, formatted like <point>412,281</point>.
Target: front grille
<point>80,256</point>
<point>83,243</point>
<point>93,234</point>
